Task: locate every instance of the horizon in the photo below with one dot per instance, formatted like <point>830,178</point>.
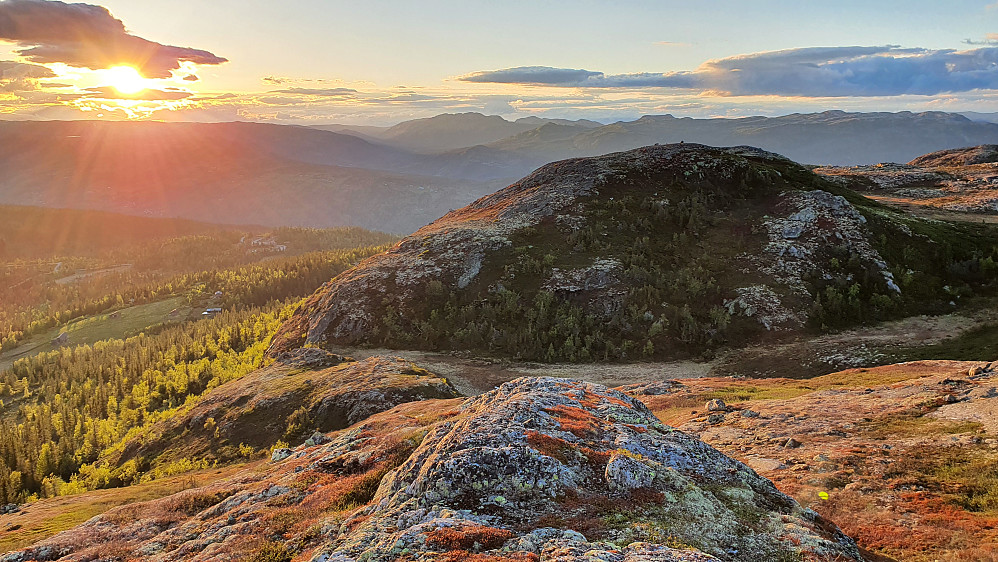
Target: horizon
<point>348,127</point>
<point>393,62</point>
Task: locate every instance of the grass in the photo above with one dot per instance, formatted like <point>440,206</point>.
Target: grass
<point>92,329</point>
<point>45,518</point>
<point>914,425</point>
<point>675,409</point>
<point>977,344</point>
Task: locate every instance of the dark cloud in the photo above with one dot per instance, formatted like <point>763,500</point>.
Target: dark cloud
<point>807,72</point>
<point>324,92</point>
<point>18,77</point>
<point>192,78</point>
<point>989,39</point>
<point>277,80</point>
<point>85,35</point>
<point>536,75</point>
<point>109,93</point>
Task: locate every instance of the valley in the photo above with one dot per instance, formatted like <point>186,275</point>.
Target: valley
<point>473,281</point>
<point>814,341</point>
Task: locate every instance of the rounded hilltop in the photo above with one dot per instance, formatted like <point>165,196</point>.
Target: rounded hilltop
<point>971,155</point>
<point>662,251</point>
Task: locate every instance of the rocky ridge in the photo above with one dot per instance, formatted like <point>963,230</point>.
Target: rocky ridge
<point>962,179</point>
<point>750,234</point>
<point>303,391</point>
<point>537,469</point>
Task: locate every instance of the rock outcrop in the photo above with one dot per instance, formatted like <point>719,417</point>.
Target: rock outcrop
<point>537,469</point>
<point>899,456</point>
<point>657,251</point>
<point>981,154</point>
<point>964,180</point>
<point>303,391</point>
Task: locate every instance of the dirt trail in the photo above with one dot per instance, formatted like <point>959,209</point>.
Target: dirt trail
<point>474,376</point>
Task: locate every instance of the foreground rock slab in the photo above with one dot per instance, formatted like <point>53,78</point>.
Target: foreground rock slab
<point>537,469</point>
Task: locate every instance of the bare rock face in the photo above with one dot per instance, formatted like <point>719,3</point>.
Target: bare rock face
<point>537,469</point>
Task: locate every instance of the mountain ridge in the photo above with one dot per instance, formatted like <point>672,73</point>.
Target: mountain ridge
<point>662,251</point>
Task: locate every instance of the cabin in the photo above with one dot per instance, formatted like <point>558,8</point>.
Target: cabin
<point>211,312</point>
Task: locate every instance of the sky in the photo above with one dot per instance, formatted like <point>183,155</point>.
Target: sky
<point>382,62</point>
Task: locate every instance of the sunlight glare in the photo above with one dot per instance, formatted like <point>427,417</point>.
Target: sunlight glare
<point>125,79</point>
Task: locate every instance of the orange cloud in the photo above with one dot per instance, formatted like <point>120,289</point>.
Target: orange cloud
<point>88,36</point>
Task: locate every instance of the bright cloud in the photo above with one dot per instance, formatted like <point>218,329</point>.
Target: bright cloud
<point>88,36</point>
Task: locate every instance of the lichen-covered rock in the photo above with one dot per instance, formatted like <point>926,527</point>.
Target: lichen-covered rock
<point>537,469</point>
<point>539,451</point>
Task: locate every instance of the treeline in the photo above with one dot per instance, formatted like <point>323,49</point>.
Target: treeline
<point>70,406</point>
<point>30,304</point>
<point>63,412</point>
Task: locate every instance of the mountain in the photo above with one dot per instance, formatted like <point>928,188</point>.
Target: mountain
<point>399,178</point>
<point>537,469</point>
<point>453,131</point>
<point>979,116</point>
<point>34,232</point>
<point>831,137</point>
<point>667,251</point>
<point>232,173</point>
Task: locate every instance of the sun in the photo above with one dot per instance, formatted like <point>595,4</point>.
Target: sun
<point>125,79</point>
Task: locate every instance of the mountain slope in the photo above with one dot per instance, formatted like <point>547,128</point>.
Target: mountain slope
<point>305,391</point>
<point>29,232</point>
<point>984,154</point>
<point>665,251</point>
<point>223,173</point>
<point>548,469</point>
<point>831,137</point>
<point>453,131</point>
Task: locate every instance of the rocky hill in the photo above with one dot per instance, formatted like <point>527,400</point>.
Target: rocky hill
<point>663,251</point>
<point>546,469</point>
<point>963,180</point>
<point>983,154</point>
<point>303,391</point>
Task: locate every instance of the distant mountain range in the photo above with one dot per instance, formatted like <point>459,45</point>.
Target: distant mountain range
<point>395,178</point>
<point>831,137</point>
<point>232,173</point>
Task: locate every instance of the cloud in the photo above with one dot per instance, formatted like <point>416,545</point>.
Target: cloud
<point>324,92</point>
<point>85,35</point>
<point>989,39</point>
<point>806,72</point>
<point>109,93</point>
<point>17,76</point>
<point>277,80</point>
<point>533,75</point>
